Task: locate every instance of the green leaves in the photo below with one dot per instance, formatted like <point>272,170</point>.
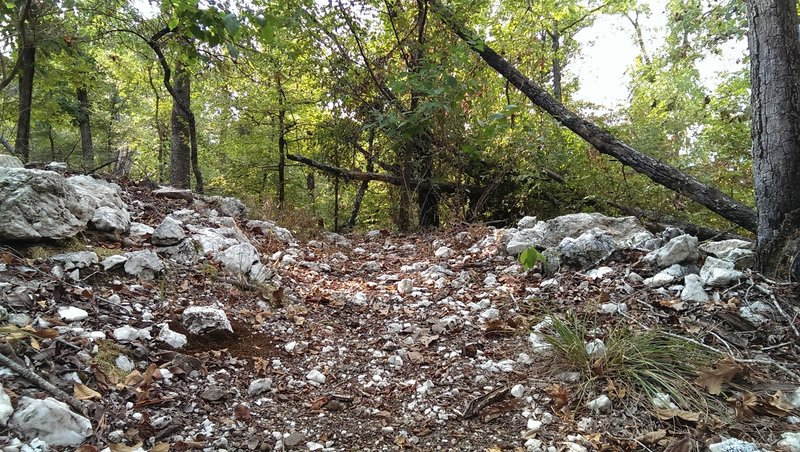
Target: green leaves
<point>530,257</point>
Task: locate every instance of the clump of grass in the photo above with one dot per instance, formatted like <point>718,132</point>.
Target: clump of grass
<point>647,362</point>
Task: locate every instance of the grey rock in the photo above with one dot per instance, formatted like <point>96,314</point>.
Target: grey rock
<point>740,252</point>
<point>336,239</point>
<point>546,234</point>
<point>227,207</point>
<point>111,219</point>
<point>183,253</point>
<point>259,386</point>
<point>51,421</point>
<point>59,167</point>
<point>680,249</point>
<point>5,406</point>
<point>168,233</point>
<point>588,249</point>
<point>671,232</point>
<point>78,259</point>
<point>212,240</point>
<point>144,264</point>
<point>238,258</point>
<point>37,204</point>
<point>113,261</point>
<point>717,272</point>
<point>733,445</point>
<point>171,338</point>
<point>9,161</point>
<point>204,319</point>
<point>526,222</point>
<point>693,290</point>
<point>756,312</point>
<point>140,230</point>
<point>260,273</point>
<point>269,228</point>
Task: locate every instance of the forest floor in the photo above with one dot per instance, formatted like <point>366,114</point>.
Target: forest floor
<point>443,362</point>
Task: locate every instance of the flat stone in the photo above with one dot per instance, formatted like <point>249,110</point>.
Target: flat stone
<point>203,319</point>
<point>51,421</point>
<point>168,233</point>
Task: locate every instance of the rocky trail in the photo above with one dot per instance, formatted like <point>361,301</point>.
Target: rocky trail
<point>175,323</point>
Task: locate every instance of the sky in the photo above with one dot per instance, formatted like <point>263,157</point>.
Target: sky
<point>608,50</point>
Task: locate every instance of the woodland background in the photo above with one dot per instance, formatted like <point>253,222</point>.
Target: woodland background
<point>375,90</point>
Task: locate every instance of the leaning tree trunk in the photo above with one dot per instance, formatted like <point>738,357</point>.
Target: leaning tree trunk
<point>775,99</point>
<point>659,172</point>
<point>181,150</point>
<point>22,145</point>
<point>87,150</point>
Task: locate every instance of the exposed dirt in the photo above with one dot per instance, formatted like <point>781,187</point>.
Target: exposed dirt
<point>400,369</point>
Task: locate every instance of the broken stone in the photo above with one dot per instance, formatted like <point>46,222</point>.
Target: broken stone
<point>259,386</point>
<point>72,314</point>
<point>5,404</point>
<point>51,421</point>
<point>405,286</point>
<point>733,445</point>
<point>717,272</point>
<point>602,403</point>
<point>144,264</point>
<point>78,259</point>
<point>171,338</point>
<point>204,319</point>
<point>113,261</point>
<point>316,377</point>
<point>239,258</point>
<point>168,233</point>
<point>111,219</point>
<point>693,290</point>
<point>443,253</point>
<point>680,249</point>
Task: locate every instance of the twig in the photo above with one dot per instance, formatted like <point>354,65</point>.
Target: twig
<point>783,313</point>
<point>42,383</point>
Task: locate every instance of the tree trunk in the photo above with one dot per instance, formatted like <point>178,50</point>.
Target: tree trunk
<point>555,36</point>
<point>362,188</point>
<point>161,129</point>
<point>775,99</point>
<point>87,151</point>
<point>180,159</point>
<point>281,145</point>
<point>27,70</point>
<point>604,142</point>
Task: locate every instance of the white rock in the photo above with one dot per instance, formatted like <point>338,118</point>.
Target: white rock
<point>72,314</point>
<point>602,403</point>
<point>9,161</point>
<point>140,230</point>
<point>678,250</point>
<point>128,333</point>
<point>239,258</point>
<point>663,401</point>
<point>316,376</point>
<point>259,386</point>
<point>733,445</point>
<point>518,391</point>
<point>124,363</point>
<point>51,421</point>
<point>717,272</point>
<point>599,272</point>
<point>790,441</point>
<point>534,425</point>
<point>37,204</point>
<point>614,308</point>
<point>756,312</point>
<point>270,228</point>
<point>5,406</point>
<point>113,261</point>
<point>111,219</point>
<point>171,338</point>
<point>144,264</point>
<point>526,222</point>
<point>203,319</point>
<point>739,252</point>
<point>490,314</point>
<point>405,286</point>
<point>290,346</point>
<point>168,233</point>
<point>78,259</point>
<point>443,253</point>
<point>595,348</point>
<point>693,290</point>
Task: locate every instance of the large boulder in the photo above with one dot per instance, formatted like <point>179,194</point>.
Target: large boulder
<point>624,231</point>
<point>97,193</point>
<point>9,161</point>
<point>36,204</point>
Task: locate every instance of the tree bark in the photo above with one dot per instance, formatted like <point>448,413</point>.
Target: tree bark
<point>180,158</point>
<point>603,141</point>
<point>161,129</point>
<point>87,150</point>
<point>775,99</point>
<point>555,36</point>
<point>362,188</point>
<point>281,144</point>
<point>27,71</point>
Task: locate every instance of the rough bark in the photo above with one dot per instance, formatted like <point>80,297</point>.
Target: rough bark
<point>180,146</point>
<point>282,144</point>
<point>87,150</point>
<point>27,71</point>
<point>775,99</point>
<point>161,129</point>
<point>362,188</point>
<point>604,142</point>
<point>555,37</point>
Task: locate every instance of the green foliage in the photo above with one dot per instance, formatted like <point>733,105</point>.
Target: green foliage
<point>530,257</point>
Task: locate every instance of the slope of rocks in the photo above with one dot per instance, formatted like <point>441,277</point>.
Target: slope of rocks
<point>188,326</point>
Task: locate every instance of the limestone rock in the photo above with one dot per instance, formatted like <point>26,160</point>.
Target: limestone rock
<point>270,228</point>
<point>78,259</point>
<point>51,421</point>
<point>37,204</point>
<point>740,252</point>
<point>587,249</point>
<point>168,233</point>
<point>144,264</point>
<point>693,290</point>
<point>98,193</point>
<point>682,248</point>
<point>111,219</point>
<point>717,272</point>
<point>239,258</point>
<point>9,161</point>
<point>204,319</point>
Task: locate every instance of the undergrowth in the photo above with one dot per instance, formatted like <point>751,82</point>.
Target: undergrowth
<point>644,363</point>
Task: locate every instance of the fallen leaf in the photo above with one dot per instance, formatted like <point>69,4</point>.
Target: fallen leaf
<point>124,448</point>
<point>241,413</point>
<point>86,448</point>
<point>559,395</point>
<point>160,447</point>
<point>683,445</point>
<point>667,414</point>
<point>83,392</point>
<point>724,371</point>
<point>652,437</point>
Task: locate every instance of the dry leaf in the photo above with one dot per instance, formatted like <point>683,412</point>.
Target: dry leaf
<point>160,447</point>
<point>86,448</point>
<point>133,379</point>
<point>124,448</point>
<point>684,445</point>
<point>83,392</point>
<point>241,413</point>
<point>725,371</point>
<point>667,414</point>
<point>559,395</point>
<point>653,437</point>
